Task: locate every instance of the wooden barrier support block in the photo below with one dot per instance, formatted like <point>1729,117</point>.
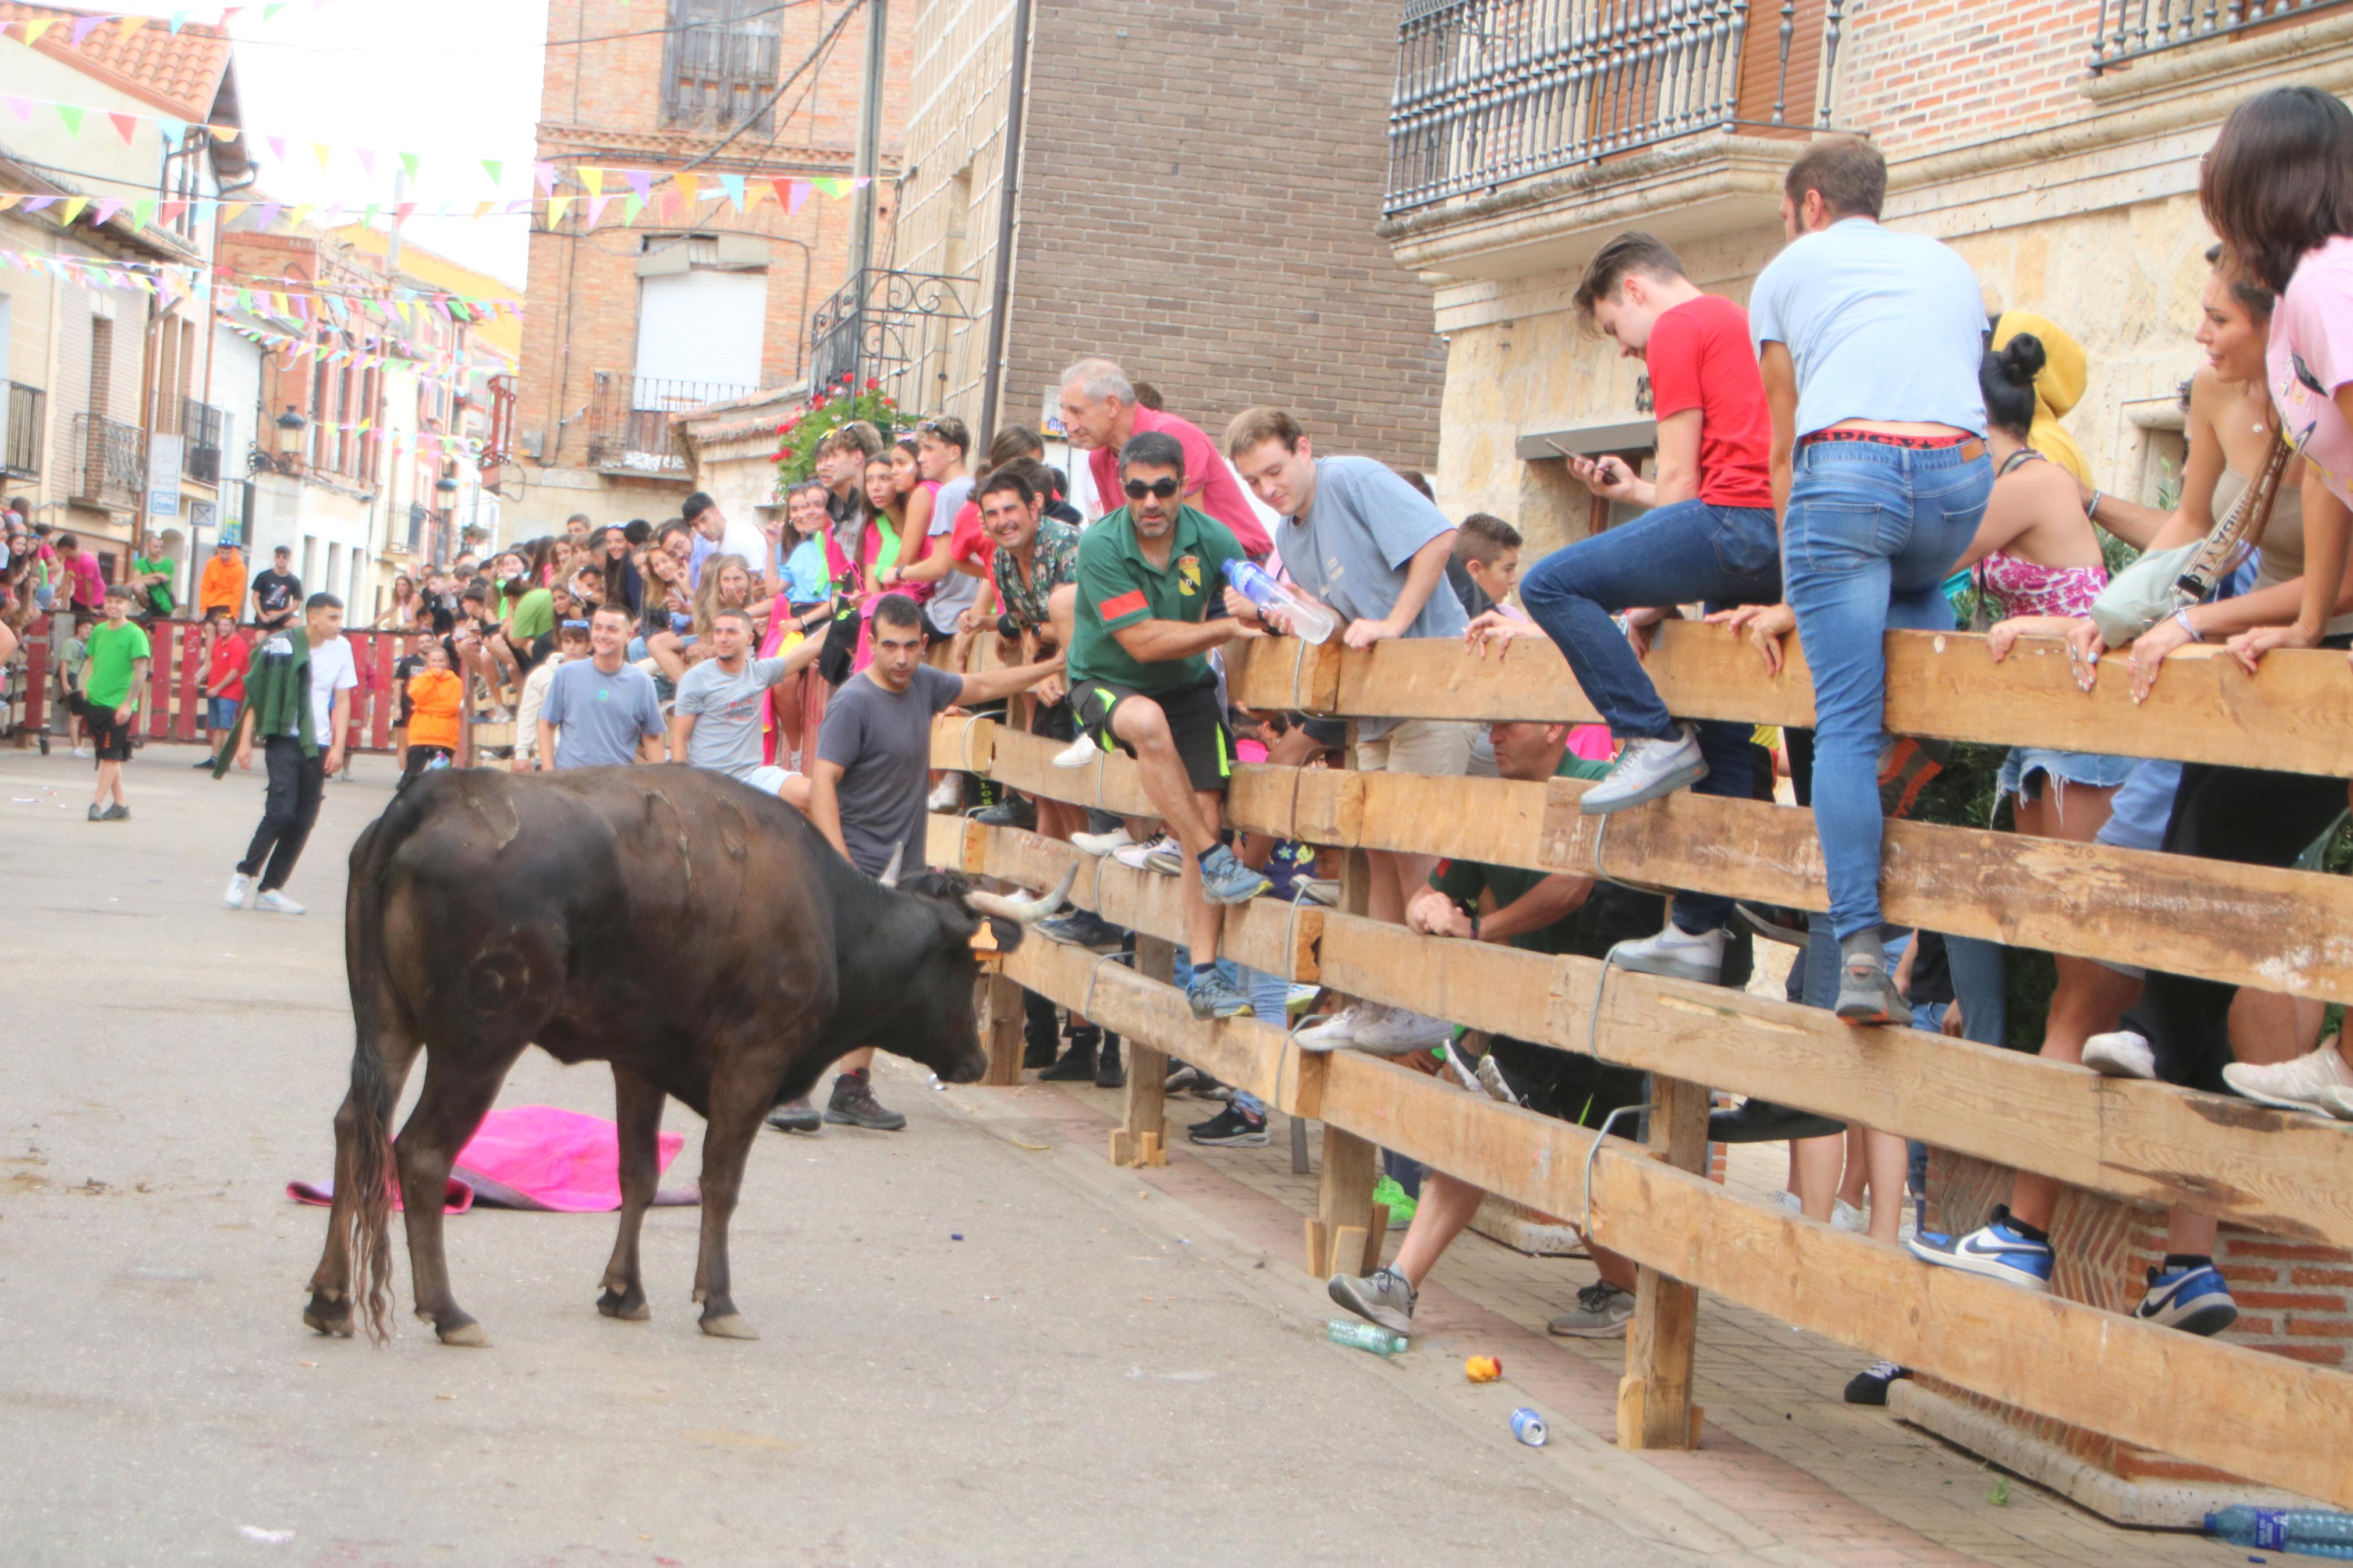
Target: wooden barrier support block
<point>1343,1198</point>
<point>1347,1250</point>
<point>1001,1022</point>
<point>1152,1149</point>
<point>1122,1147</point>
<point>1374,1235</point>
<point>1319,1250</point>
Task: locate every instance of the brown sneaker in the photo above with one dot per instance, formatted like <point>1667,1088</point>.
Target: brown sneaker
<point>854,1105</point>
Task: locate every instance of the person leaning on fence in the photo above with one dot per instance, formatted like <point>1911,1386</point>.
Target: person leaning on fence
<point>1147,618</point>
<point>226,659</point>
<point>294,706</point>
<point>1869,343</point>
<point>222,585</point>
<point>1531,911</point>
<point>1101,411</point>
<point>1358,539</point>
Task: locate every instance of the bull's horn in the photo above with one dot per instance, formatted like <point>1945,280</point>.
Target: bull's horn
<point>889,877</point>
<point>1028,911</point>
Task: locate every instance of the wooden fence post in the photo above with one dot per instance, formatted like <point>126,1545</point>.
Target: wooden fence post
<point>1143,1138</point>
<point>1654,1407</point>
<point>1342,1233</point>
<point>1001,1018</point>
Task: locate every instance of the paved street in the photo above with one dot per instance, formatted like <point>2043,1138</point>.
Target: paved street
<point>1088,1375</point>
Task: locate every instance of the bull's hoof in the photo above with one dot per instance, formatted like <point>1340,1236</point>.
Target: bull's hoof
<point>464,1332</point>
<point>329,1316</point>
<point>729,1326</point>
<point>627,1306</point>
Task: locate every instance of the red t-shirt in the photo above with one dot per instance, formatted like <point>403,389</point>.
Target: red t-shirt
<point>970,543</point>
<point>1700,357</point>
<point>229,653</point>
<point>1221,498</point>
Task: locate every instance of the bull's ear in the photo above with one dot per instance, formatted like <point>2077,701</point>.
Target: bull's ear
<point>1008,933</point>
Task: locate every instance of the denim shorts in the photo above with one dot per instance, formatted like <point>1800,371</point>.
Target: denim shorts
<point>2093,769</point>
<point>224,712</point>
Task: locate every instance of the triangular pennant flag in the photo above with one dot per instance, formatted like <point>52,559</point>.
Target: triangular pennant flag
<point>179,19</point>
<point>404,210</point>
<point>519,204</point>
<point>591,178</point>
<point>496,170</point>
<point>801,194</point>
<point>411,161</point>
<point>107,209</point>
<point>483,209</point>
<point>81,28</point>
<point>6,203</point>
<point>556,206</point>
<point>733,184</point>
<point>74,205</point>
<point>71,116</point>
<point>231,211</point>
<point>325,152</point>
<point>334,215</point>
<point>34,204</point>
<point>631,205</point>
<point>130,24</point>
<point>367,160</point>
<point>301,215</point>
<point>22,107</point>
<point>640,181</point>
<point>142,212</point>
<point>277,148</point>
<point>125,126</point>
<point>33,30</point>
<point>861,182</point>
<point>172,129</point>
<point>269,12</point>
<point>596,205</point>
<point>783,192</point>
<point>172,211</point>
<point>368,217</point>
<point>543,175</point>
<point>687,189</point>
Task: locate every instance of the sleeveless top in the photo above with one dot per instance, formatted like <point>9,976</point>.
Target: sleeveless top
<point>2023,588</point>
<point>2279,557</point>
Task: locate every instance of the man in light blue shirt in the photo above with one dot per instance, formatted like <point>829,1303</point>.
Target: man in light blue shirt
<point>1869,343</point>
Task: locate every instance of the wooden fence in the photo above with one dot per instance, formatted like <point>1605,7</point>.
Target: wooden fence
<point>2266,1418</point>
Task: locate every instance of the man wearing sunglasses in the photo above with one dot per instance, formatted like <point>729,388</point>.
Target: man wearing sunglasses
<point>1149,610</point>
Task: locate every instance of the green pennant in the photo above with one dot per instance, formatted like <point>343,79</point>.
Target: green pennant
<point>630,207</point>
<point>71,115</point>
<point>142,212</point>
<point>496,170</point>
<point>409,161</point>
<point>373,208</point>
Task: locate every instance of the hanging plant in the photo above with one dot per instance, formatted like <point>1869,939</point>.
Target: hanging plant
<point>798,437</point>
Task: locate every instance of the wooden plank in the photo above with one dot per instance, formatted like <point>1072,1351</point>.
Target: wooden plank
<point>1240,1051</point>
<point>1344,1197</point>
<point>2204,708</point>
<point>1660,1340</point>
<point>1147,1105</point>
<point>2281,1172</point>
<point>1001,1023</point>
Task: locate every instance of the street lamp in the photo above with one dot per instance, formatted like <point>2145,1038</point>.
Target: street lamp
<point>289,437</point>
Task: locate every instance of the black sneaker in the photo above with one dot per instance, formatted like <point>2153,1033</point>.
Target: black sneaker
<point>854,1104</point>
<point>1015,812</point>
<point>1083,927</point>
<point>1869,1386</point>
<point>1078,1063</point>
<point>117,812</point>
<point>795,1116</point>
<point>1041,1032</point>
<point>1109,1074</point>
<point>1232,1128</point>
<point>1755,1121</point>
<point>1182,1076</point>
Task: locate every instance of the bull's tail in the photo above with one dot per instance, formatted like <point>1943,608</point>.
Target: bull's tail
<point>379,1013</point>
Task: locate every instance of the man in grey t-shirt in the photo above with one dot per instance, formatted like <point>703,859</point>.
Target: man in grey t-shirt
<point>715,722</point>
<point>599,708</point>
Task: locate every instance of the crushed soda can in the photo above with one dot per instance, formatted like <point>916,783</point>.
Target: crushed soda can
<point>1528,1427</point>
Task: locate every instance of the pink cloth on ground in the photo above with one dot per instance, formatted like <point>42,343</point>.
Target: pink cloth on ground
<point>536,1157</point>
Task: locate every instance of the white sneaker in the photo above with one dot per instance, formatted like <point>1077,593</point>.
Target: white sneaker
<point>2122,1053</point>
<point>1646,770</point>
<point>1786,1199</point>
<point>2339,1102</point>
<point>1078,753</point>
<point>1100,844</point>
<point>1399,1032</point>
<point>1676,953</point>
<point>81,752</point>
<point>1844,1215</point>
<point>239,886</point>
<point>1340,1029</point>
<point>2300,1085</point>
<point>948,796</point>
<point>1134,856</point>
<point>277,903</point>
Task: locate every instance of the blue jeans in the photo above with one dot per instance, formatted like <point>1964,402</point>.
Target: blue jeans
<point>1723,556</point>
<point>1269,994</point>
<point>1873,530</point>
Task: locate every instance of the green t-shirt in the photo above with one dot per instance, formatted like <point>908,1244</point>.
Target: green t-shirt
<point>1119,588</point>
<point>159,595</point>
<point>1464,880</point>
<point>107,682</point>
<point>534,616</point>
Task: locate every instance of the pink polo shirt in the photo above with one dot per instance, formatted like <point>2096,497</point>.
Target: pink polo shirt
<point>1221,498</point>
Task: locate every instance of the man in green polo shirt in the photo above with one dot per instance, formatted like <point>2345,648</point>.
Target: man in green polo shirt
<point>1150,607</point>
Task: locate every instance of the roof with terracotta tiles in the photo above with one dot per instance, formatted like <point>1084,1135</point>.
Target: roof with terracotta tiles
<point>179,73</point>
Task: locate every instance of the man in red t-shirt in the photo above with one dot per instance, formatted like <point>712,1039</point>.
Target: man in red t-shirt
<point>1100,413</point>
<point>1709,535</point>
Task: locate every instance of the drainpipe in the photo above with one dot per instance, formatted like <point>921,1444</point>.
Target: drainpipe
<point>1001,291</point>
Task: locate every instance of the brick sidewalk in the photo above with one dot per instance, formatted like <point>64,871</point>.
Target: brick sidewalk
<point>1825,1480</point>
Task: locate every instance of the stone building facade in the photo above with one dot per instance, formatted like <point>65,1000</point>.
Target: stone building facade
<point>2072,191</point>
<point>1200,190</point>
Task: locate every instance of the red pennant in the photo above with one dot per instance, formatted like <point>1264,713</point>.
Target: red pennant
<point>125,125</point>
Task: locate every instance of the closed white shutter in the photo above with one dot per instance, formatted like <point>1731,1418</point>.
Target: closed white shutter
<point>702,329</point>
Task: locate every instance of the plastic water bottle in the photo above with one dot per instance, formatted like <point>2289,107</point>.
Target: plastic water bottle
<point>1364,1336</point>
<point>2311,1532</point>
<point>1310,620</point>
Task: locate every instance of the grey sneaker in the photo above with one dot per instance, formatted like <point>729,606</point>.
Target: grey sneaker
<point>1382,1298</point>
<point>1211,997</point>
<point>854,1105</point>
<point>117,812</point>
<point>1603,1311</point>
<point>1083,927</point>
<point>1676,953</point>
<point>795,1116</point>
<point>1867,993</point>
<point>2120,1053</point>
<point>1646,770</point>
<point>1227,880</point>
<point>97,811</point>
<point>1165,858</point>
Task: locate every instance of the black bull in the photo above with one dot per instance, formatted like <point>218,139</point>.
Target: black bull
<point>700,936</point>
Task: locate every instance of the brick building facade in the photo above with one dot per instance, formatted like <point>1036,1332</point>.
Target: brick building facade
<point>726,295</point>
<point>1204,214</point>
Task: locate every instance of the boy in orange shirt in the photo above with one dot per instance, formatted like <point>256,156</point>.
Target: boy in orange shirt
<point>434,696</point>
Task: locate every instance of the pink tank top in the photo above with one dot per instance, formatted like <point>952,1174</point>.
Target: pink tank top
<point>2022,587</point>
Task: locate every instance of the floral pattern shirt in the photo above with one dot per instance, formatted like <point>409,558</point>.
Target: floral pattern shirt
<point>1055,555</point>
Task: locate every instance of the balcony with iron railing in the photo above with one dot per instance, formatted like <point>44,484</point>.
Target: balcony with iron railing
<point>1493,91</point>
<point>110,463</point>
<point>628,420</point>
<point>891,328</point>
<point>2133,30</point>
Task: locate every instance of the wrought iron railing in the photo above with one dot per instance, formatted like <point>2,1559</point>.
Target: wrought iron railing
<point>891,328</point>
<point>1494,90</point>
<point>29,409</point>
<point>629,419</point>
<point>110,467</point>
<point>206,429</point>
<point>2135,29</point>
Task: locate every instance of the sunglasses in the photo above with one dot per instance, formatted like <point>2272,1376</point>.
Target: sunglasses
<point>1160,490</point>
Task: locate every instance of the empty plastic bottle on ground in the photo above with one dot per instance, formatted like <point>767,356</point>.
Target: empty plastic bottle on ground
<point>1310,620</point>
<point>2311,1532</point>
<point>1364,1337</point>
